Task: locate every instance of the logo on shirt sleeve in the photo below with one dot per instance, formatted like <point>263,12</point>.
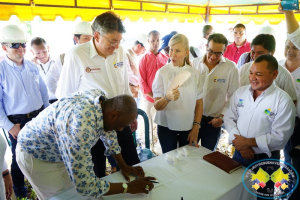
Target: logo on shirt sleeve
<point>216,79</point>
<point>118,64</point>
<point>298,80</point>
<point>240,103</point>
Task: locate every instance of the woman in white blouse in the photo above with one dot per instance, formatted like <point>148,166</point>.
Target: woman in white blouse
<point>179,112</point>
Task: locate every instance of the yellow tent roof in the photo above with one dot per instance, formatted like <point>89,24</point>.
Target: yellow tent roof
<point>182,10</point>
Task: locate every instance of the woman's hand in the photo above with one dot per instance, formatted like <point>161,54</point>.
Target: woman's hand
<point>173,95</point>
<point>193,136</point>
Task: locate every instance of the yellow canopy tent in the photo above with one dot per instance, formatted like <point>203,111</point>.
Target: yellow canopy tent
<point>182,10</point>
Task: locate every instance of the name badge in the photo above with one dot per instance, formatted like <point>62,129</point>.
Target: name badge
<point>92,69</point>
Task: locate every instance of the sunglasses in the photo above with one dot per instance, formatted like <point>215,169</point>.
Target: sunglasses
<point>16,45</point>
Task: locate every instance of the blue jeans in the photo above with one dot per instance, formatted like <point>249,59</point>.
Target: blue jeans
<point>169,139</point>
<point>209,135</point>
<point>17,175</point>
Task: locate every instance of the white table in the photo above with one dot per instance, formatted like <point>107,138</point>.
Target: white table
<point>191,178</point>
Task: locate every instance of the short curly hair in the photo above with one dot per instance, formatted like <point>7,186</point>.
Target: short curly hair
<point>108,22</point>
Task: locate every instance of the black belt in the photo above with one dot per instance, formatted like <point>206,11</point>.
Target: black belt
<point>265,156</point>
<point>28,115</point>
<point>205,118</point>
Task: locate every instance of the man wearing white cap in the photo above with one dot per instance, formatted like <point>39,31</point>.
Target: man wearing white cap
<point>82,33</point>
<point>23,94</point>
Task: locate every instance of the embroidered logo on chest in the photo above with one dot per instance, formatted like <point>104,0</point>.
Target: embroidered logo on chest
<point>92,70</point>
<point>270,113</point>
<point>118,64</point>
<point>216,79</point>
<point>240,103</point>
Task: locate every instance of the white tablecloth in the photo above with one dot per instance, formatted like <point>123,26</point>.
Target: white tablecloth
<point>191,178</point>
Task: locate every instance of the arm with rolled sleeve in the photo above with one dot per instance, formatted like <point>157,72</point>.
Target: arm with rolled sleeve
<point>143,77</point>
<point>70,76</point>
<point>232,87</point>
<point>289,86</point>
<point>231,117</point>
<point>44,92</point>
<point>53,76</point>
<point>281,129</point>
<point>158,85</point>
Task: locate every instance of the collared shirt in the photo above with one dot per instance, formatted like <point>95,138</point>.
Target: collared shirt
<point>178,115</point>
<point>295,74</point>
<point>66,132</point>
<point>44,69</point>
<point>53,75</point>
<point>22,90</point>
<point>133,70</point>
<point>219,85</point>
<point>233,52</point>
<point>284,79</point>
<point>295,37</point>
<point>269,119</point>
<point>84,69</point>
<point>149,65</point>
<point>242,59</point>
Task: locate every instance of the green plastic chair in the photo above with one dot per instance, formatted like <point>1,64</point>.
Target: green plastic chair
<point>146,121</point>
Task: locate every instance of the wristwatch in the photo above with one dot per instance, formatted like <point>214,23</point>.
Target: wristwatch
<point>221,117</point>
<point>125,186</point>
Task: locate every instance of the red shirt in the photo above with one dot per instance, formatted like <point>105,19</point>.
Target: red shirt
<point>149,65</point>
<point>233,53</point>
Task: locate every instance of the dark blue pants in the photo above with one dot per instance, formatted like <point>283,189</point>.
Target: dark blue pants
<point>169,139</point>
<point>17,175</point>
<point>209,135</point>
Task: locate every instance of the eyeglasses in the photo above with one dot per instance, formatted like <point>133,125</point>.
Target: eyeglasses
<point>114,43</point>
<point>210,52</point>
<point>16,45</point>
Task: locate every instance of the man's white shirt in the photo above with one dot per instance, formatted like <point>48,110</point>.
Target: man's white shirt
<point>219,85</point>
<point>269,119</point>
<point>53,75</point>
<point>44,72</point>
<point>284,79</point>
<point>84,69</point>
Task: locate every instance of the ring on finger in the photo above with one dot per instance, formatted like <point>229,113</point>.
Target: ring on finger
<point>147,187</point>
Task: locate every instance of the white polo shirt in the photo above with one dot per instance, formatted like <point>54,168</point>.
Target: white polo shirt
<point>269,119</point>
<point>53,75</point>
<point>219,85</point>
<point>284,79</point>
<point>177,115</point>
<point>295,74</point>
<point>44,72</point>
<point>84,69</point>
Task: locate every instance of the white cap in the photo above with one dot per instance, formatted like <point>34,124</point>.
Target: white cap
<point>267,30</point>
<point>83,28</point>
<point>12,34</point>
<point>142,38</point>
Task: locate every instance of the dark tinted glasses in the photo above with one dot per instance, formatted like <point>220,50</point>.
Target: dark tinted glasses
<point>16,45</point>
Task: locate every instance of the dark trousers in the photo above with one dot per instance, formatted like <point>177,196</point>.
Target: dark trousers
<point>128,151</point>
<point>52,101</point>
<point>208,134</point>
<point>16,173</point>
<point>169,139</point>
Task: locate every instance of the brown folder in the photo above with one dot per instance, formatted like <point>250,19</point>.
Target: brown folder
<point>225,163</point>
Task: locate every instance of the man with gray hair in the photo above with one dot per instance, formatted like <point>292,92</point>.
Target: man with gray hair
<point>100,64</point>
<point>54,150</point>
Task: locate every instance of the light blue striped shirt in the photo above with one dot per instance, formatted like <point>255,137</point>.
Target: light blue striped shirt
<point>22,90</point>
